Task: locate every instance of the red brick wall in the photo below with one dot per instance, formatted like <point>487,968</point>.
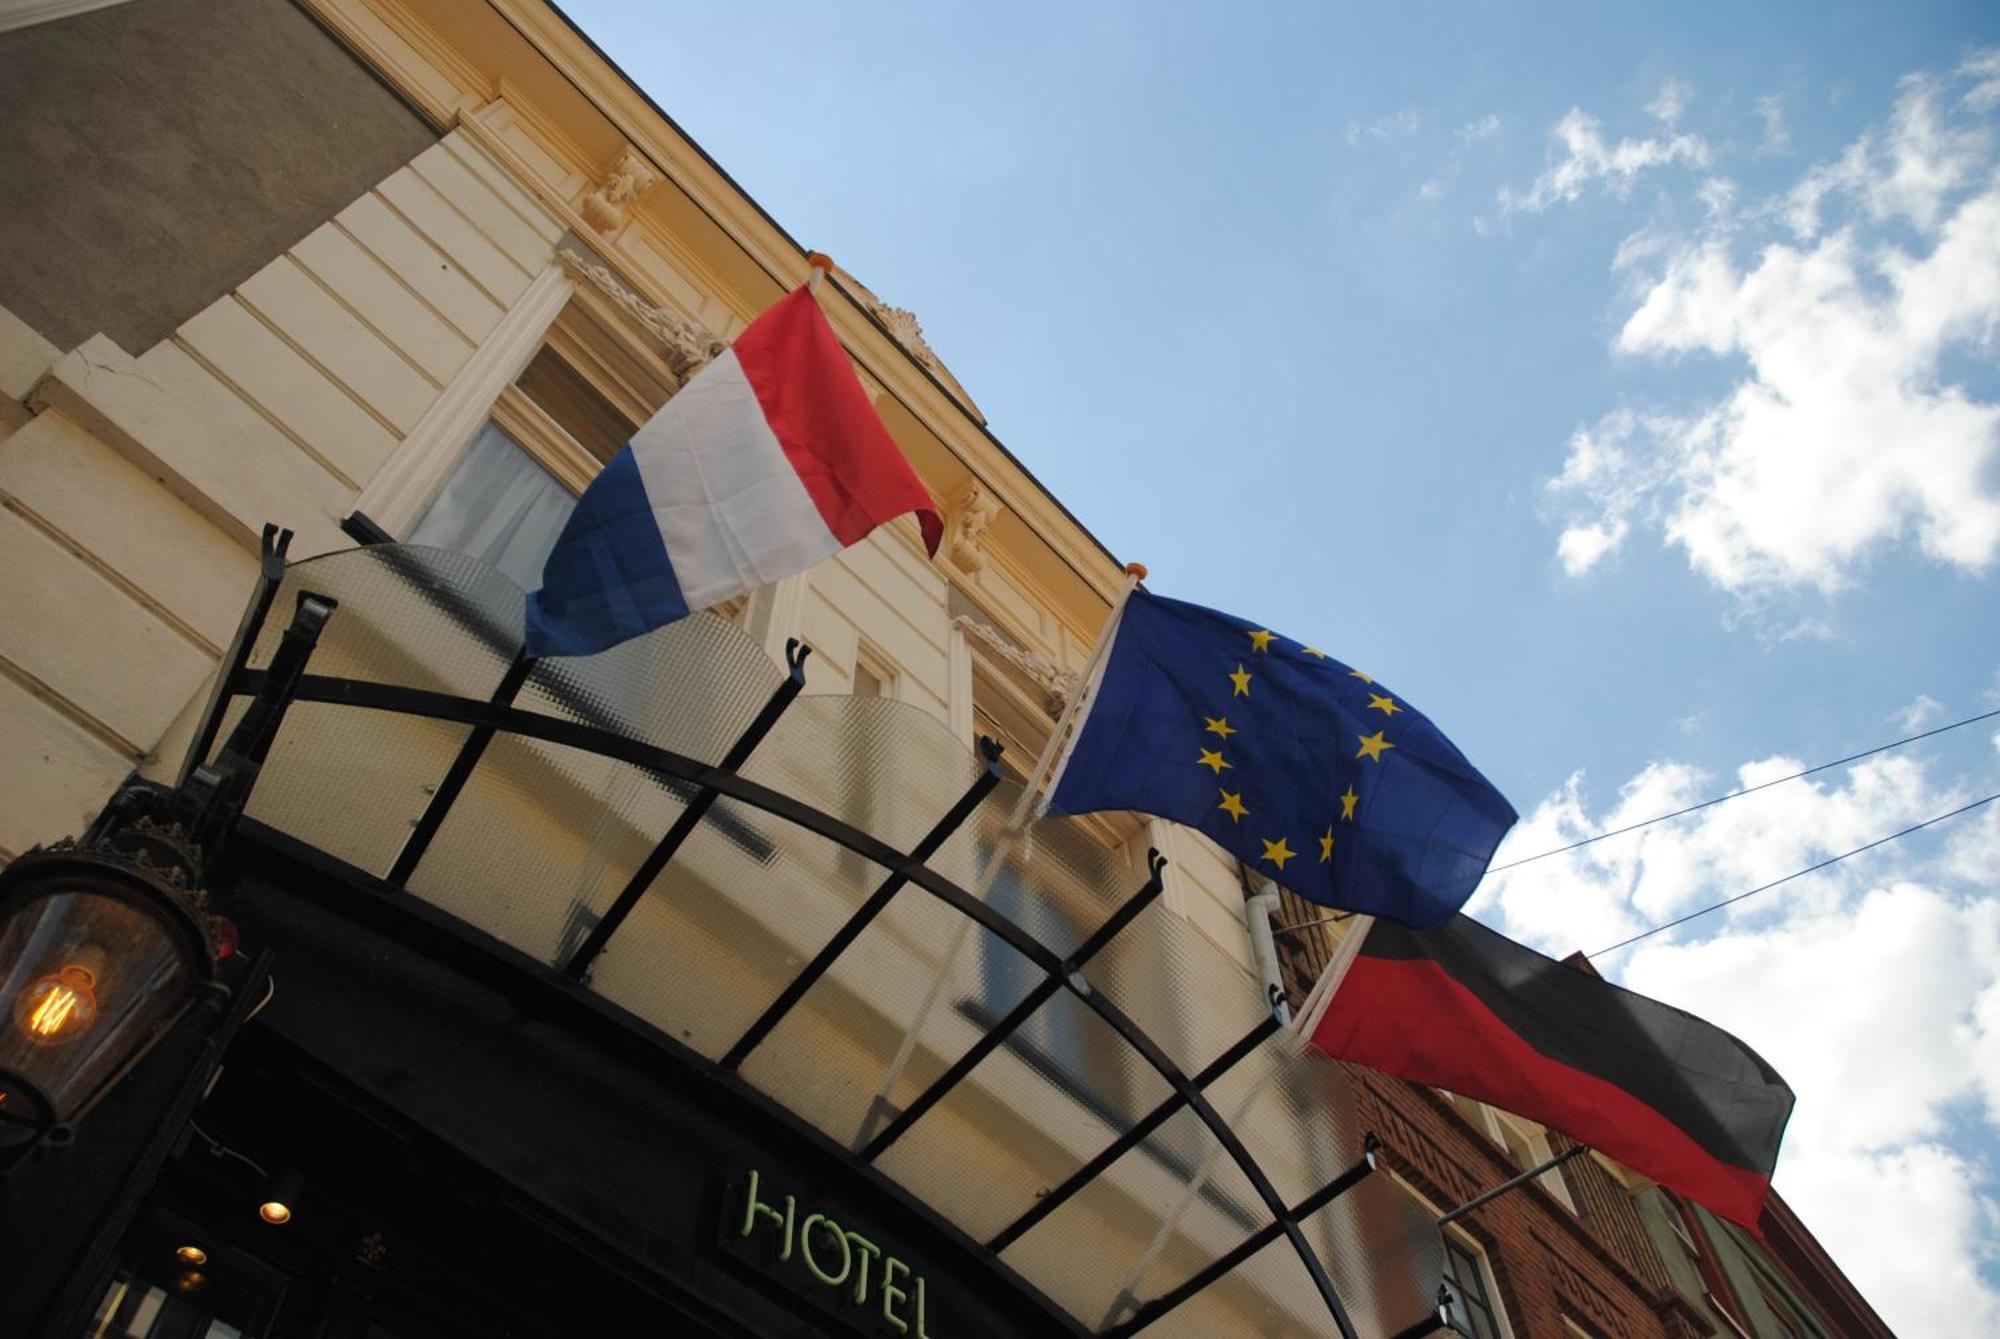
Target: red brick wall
<point>1595,1267</point>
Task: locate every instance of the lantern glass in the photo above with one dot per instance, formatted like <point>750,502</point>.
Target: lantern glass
<point>91,968</point>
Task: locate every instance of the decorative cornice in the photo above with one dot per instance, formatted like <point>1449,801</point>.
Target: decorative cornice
<point>686,345</point>
<point>1044,673</point>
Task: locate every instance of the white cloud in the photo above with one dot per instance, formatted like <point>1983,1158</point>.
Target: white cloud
<point>1983,69</point>
<point>1843,433</point>
<point>1777,135</point>
<point>1484,128</point>
<point>1907,172</point>
<point>1396,125</point>
<point>1872,986</point>
<point>1922,711</point>
<point>1580,155</point>
<point>1582,546</point>
<point>1672,101</point>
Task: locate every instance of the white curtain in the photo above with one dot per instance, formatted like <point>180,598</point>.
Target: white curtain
<point>499,506</point>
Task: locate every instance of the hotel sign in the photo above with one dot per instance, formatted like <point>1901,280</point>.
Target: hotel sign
<point>830,1264</point>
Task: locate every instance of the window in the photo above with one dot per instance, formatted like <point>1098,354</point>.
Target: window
<point>1062,1038</point>
<point>1471,1298</point>
<point>1469,1302</point>
<point>506,500</point>
<point>1527,1143</point>
<point>500,506</point>
<point>873,675</point>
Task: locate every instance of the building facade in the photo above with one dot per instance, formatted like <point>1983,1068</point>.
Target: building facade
<point>405,273</point>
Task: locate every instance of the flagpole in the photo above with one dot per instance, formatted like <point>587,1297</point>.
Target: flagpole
<point>819,265</point>
<point>1314,1006</point>
<point>1011,836</point>
<point>1510,1183</point>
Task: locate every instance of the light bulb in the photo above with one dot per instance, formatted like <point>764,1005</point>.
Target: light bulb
<point>281,1196</point>
<point>57,1008</point>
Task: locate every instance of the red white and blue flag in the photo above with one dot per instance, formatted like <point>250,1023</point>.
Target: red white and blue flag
<point>769,460</point>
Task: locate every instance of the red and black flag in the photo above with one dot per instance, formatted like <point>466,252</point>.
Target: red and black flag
<point>1467,1009</point>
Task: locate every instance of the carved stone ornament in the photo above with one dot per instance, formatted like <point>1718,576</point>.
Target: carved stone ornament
<point>1045,674</point>
<point>607,207</point>
<point>904,328</point>
<point>685,345</point>
<point>903,324</point>
<point>971,513</point>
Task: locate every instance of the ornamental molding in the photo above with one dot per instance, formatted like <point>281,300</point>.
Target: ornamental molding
<point>903,327</point>
<point>968,517</point>
<point>909,332</point>
<point>1057,683</point>
<point>609,206</point>
<point>687,346</point>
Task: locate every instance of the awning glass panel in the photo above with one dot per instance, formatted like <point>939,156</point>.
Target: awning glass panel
<point>1023,1035</point>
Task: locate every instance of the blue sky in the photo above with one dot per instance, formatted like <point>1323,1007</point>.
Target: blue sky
<point>1619,384</point>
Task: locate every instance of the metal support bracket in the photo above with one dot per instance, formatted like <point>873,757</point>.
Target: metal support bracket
<point>1131,1139</point>
<point>270,572</point>
<point>683,827</point>
<point>455,777</point>
<point>216,792</point>
<point>1286,1224</point>
<point>865,914</point>
<point>1066,975</point>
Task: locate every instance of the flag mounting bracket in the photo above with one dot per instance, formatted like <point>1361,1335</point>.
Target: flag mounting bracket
<point>1511,1183</point>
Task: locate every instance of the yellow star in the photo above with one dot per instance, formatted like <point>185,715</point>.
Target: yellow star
<point>1242,681</point>
<point>1314,652</point>
<point>1372,746</point>
<point>1233,806</point>
<point>1386,705</point>
<point>1357,674</point>
<point>1218,725</point>
<point>1260,640</point>
<point>1278,853</point>
<point>1213,761</point>
<point>1347,803</point>
<point>1326,845</point>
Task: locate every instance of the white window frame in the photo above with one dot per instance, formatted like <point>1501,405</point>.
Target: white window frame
<point>404,487</point>
<point>1468,1243</point>
<point>600,342</point>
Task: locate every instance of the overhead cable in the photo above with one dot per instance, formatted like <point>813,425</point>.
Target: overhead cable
<point>1798,874</point>
<point>1749,790</point>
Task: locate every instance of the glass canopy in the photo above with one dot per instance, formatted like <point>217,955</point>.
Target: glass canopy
<point>822,894</point>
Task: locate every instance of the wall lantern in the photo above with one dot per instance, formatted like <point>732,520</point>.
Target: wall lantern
<point>104,944</point>
<point>106,941</point>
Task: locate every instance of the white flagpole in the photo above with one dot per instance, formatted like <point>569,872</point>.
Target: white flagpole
<point>1313,1008</point>
<point>1025,809</point>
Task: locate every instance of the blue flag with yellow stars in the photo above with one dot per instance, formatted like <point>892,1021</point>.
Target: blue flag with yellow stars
<point>1306,769</point>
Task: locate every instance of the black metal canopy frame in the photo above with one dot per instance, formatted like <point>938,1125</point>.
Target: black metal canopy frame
<point>700,785</point>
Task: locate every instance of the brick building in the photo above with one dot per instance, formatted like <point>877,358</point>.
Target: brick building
<point>1588,1247</point>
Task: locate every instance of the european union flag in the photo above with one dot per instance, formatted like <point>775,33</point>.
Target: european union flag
<point>1306,769</point>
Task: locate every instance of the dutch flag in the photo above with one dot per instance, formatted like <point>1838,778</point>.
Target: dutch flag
<point>769,460</point>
